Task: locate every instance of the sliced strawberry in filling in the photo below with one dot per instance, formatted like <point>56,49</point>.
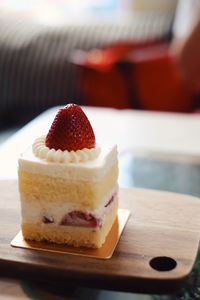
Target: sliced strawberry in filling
<point>78,218</point>
<point>110,201</point>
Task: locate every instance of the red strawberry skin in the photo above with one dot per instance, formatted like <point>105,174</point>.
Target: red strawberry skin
<point>70,130</point>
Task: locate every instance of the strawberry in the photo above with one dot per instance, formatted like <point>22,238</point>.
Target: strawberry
<point>70,130</point>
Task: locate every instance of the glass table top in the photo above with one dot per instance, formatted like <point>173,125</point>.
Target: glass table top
<point>167,175</point>
<point>159,174</point>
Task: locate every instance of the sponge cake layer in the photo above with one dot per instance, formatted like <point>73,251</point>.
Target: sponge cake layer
<point>41,188</point>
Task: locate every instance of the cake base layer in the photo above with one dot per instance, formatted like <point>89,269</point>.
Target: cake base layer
<point>71,235</point>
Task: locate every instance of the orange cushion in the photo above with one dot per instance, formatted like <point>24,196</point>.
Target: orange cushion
<point>158,82</point>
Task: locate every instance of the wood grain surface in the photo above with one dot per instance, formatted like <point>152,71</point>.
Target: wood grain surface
<point>155,254</point>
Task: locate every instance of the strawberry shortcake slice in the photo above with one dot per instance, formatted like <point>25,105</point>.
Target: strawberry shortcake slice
<point>68,184</point>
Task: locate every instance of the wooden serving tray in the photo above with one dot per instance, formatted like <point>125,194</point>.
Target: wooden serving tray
<point>155,254</point>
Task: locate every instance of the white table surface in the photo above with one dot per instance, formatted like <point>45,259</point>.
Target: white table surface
<point>159,134</point>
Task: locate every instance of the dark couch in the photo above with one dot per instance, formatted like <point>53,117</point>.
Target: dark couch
<point>36,71</point>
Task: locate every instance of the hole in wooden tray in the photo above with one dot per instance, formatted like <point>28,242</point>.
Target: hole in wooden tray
<point>163,263</point>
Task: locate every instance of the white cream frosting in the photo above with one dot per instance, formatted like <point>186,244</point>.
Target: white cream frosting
<point>51,155</point>
<point>91,170</point>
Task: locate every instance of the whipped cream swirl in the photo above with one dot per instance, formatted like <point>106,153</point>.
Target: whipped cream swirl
<point>51,155</point>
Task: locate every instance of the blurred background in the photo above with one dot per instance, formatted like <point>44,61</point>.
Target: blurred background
<point>110,53</point>
<point>122,54</point>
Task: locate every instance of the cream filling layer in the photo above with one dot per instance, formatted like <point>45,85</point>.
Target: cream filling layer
<point>92,170</point>
<point>33,212</point>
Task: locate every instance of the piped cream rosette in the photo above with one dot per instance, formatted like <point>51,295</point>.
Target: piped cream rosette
<point>51,155</point>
